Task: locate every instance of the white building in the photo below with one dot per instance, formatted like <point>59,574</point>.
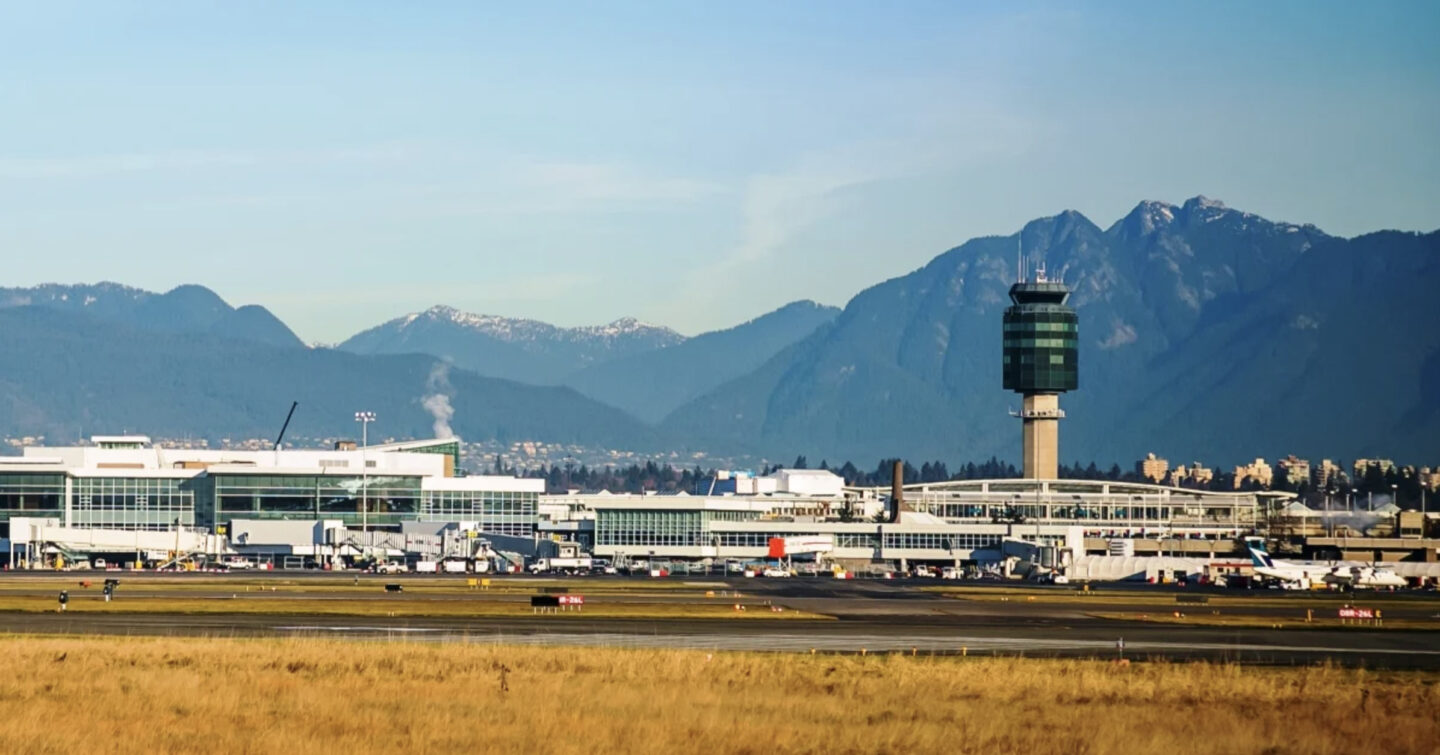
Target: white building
<point>124,482</point>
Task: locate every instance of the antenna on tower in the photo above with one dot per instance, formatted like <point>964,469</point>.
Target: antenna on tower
<point>1019,256</point>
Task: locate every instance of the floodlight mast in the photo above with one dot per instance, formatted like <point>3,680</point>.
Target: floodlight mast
<point>364,418</point>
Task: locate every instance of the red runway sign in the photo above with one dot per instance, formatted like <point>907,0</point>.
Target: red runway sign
<point>1351,612</point>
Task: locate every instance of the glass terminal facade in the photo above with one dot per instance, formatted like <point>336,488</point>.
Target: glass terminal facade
<point>500,512</point>
<point>159,502</point>
<point>389,498</point>
<point>643,528</point>
<point>30,494</point>
<point>132,503</point>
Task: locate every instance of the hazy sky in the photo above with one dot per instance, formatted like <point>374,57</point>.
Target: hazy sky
<point>690,164</point>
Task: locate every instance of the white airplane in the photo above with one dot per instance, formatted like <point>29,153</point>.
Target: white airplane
<point>1304,573</point>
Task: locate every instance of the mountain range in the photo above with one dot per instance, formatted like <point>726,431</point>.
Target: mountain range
<point>1206,333</point>
<point>184,309</point>
<point>654,383</point>
<point>516,349</point>
<point>70,375</point>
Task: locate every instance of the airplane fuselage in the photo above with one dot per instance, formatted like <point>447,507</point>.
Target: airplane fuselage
<point>1346,575</point>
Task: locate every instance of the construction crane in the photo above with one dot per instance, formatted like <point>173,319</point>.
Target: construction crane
<point>285,426</point>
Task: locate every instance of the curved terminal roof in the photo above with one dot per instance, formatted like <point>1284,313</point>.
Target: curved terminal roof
<point>1022,485</point>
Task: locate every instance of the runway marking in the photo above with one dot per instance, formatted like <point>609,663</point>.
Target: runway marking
<point>386,630</point>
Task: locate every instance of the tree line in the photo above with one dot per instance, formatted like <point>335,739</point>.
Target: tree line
<point>666,478</point>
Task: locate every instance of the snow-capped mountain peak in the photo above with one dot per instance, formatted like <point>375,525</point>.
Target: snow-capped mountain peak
<point>512,329</point>
<point>511,347</point>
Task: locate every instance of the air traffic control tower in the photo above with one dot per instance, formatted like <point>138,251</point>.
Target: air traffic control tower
<point>1041,363</point>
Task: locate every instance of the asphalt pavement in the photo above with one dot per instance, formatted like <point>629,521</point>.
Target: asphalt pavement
<point>869,616</point>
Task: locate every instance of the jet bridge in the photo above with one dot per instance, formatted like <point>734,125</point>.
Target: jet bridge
<point>34,538</point>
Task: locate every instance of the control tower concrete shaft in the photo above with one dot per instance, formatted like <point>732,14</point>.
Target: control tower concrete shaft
<point>1041,340</point>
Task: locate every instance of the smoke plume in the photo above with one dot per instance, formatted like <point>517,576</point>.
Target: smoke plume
<point>437,400</point>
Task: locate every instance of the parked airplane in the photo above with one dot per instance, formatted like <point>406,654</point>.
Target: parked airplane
<point>1304,573</point>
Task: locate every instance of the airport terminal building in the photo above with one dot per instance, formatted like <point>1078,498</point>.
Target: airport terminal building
<point>121,492</point>
<point>126,483</point>
<point>938,523</point>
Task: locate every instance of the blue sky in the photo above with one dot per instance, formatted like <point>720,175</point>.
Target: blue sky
<point>692,164</point>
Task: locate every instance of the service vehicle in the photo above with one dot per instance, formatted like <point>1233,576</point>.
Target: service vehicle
<point>543,565</point>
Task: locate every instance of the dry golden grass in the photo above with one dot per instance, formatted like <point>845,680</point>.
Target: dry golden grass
<point>70,695</point>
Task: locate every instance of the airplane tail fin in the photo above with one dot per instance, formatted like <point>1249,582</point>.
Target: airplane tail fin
<point>1258,555</point>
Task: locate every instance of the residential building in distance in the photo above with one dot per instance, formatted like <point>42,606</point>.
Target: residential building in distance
<point>1195,474</point>
<point>1362,466</point>
<point>1152,468</point>
<point>1257,471</point>
<point>1327,474</point>
<point>1295,470</point>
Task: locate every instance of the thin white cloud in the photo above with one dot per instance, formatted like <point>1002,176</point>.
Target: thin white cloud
<point>449,179</point>
<point>517,288</point>
<point>613,182</point>
<point>190,160</point>
<point>92,166</point>
<point>779,206</point>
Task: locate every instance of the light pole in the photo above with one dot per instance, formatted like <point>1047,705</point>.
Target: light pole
<point>364,418</point>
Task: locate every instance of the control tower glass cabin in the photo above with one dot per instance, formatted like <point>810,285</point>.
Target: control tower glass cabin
<point>1040,363</point>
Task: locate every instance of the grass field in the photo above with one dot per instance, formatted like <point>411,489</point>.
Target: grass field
<point>442,597</point>
<point>72,695</point>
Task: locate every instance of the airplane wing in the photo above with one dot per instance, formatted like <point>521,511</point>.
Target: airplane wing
<point>1344,574</point>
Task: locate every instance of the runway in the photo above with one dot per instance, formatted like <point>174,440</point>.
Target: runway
<point>869,617</point>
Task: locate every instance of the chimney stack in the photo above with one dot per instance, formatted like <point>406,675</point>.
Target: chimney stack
<point>897,489</point>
